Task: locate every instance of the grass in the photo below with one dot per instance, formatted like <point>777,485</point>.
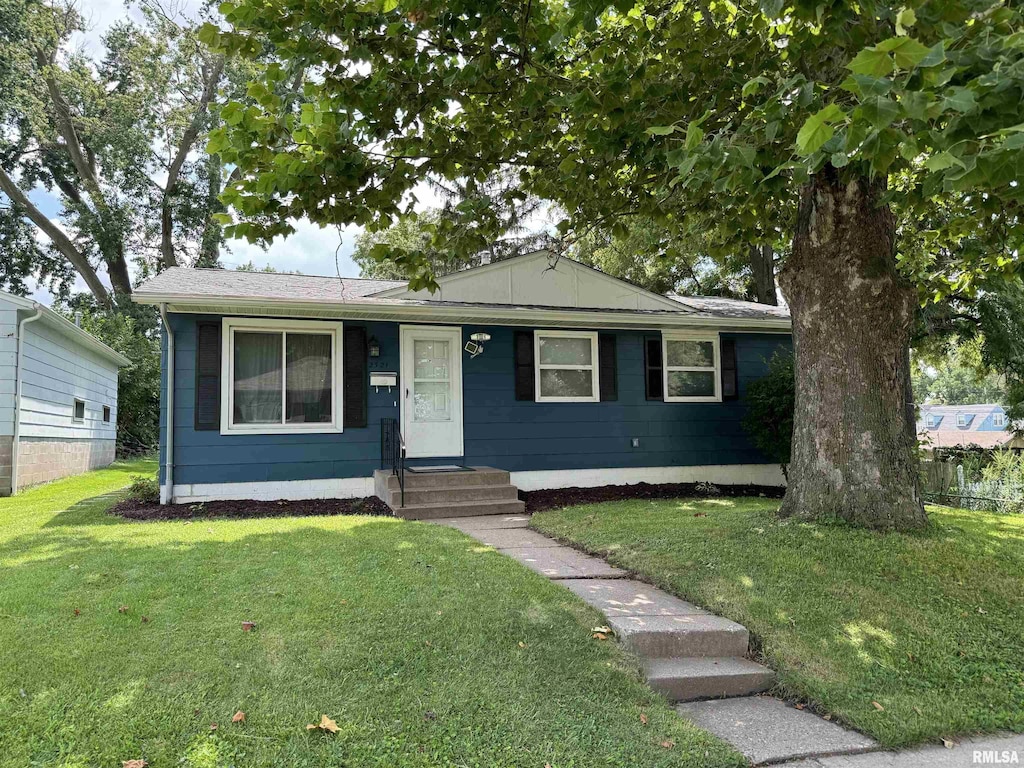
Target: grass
<point>425,647</point>
<point>905,637</point>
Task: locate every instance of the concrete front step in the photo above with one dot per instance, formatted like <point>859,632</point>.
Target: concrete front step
<point>417,495</point>
<point>459,509</point>
<point>472,476</point>
<point>680,636</point>
<point>690,679</point>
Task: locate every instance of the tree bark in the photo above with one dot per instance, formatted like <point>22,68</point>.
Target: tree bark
<point>854,455</point>
<point>762,268</point>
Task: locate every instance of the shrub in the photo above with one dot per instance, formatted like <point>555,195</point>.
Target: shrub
<point>770,404</point>
<point>144,489</point>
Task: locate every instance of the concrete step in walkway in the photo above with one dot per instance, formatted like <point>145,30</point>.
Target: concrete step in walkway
<point>767,730</point>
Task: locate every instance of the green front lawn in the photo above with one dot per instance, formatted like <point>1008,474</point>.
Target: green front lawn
<point>425,647</point>
<point>905,637</point>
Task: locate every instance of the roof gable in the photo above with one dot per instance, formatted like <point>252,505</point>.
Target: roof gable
<point>538,279</point>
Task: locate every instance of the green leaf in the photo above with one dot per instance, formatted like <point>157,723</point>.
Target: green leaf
<point>232,113</point>
<point>904,19</point>
<point>839,159</point>
<point>567,166</point>
<point>879,111</point>
<point>661,130</point>
<point>907,52</point>
<point>694,135</point>
<point>753,86</point>
<point>960,100</point>
<point>209,35</point>
<point>871,61</point>
<point>818,129</point>
<point>941,161</point>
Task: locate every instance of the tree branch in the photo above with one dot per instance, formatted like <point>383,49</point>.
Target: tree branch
<point>60,240</point>
<point>184,147</point>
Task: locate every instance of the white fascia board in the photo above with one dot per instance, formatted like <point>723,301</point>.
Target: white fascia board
<point>63,325</point>
<point>483,314</point>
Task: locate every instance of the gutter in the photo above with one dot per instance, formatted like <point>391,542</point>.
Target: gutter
<point>167,489</point>
<point>17,394</point>
<point>466,313</point>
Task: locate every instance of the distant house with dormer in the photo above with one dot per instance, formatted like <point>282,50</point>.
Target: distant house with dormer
<point>963,426</point>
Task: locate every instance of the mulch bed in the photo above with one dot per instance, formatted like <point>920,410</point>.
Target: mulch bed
<point>133,509</point>
<point>556,498</point>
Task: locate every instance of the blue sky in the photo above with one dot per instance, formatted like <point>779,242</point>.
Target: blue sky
<point>311,250</point>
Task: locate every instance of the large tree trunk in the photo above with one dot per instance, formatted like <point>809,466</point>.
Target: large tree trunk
<point>854,454</point>
<point>762,268</point>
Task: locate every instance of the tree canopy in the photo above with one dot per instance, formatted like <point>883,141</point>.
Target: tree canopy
<point>117,140</point>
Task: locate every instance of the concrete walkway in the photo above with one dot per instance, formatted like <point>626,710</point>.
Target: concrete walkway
<point>699,659</point>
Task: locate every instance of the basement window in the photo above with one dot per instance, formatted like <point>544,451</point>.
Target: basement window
<point>106,414</point>
<point>78,415</point>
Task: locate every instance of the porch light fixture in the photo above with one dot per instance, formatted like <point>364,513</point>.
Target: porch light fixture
<point>374,347</point>
<point>475,346</point>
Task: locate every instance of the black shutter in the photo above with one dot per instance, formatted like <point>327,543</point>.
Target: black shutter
<point>608,367</point>
<point>207,409</point>
<point>654,383</point>
<point>355,385</point>
<point>523,352</point>
<point>730,387</point>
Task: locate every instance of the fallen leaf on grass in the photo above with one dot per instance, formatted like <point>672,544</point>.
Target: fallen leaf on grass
<point>668,744</point>
<point>145,619</point>
<point>799,706</point>
<point>878,706</point>
<point>522,644</point>
<point>238,717</point>
<point>700,514</point>
<point>77,612</point>
<point>948,743</point>
<point>599,636</point>
<point>325,724</point>
<point>122,609</point>
<point>643,718</point>
<point>138,763</point>
<point>213,726</point>
<point>826,717</point>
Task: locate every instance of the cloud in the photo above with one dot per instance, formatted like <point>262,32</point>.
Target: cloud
<point>311,251</point>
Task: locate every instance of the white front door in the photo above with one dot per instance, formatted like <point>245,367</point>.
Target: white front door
<point>431,390</point>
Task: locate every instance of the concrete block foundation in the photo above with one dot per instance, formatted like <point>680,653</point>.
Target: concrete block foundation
<point>42,459</point>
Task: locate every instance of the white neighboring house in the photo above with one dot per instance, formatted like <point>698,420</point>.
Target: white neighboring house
<point>58,396</point>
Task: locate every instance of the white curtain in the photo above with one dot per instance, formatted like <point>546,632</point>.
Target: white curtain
<point>258,378</point>
<point>308,395</point>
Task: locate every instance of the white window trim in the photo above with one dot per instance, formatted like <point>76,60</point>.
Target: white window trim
<point>74,409</point>
<point>227,375</point>
<point>716,341</point>
<point>961,420</point>
<point>593,367</point>
<point>998,419</point>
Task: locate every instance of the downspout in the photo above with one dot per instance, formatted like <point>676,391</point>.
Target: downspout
<point>17,394</point>
<point>167,489</point>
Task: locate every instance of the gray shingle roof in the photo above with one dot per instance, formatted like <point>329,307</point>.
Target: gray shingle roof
<point>209,284</point>
<point>735,308</point>
<point>258,285</point>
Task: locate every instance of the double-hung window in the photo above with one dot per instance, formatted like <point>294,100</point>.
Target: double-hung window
<point>280,376</point>
<point>692,367</point>
<point>998,420</point>
<point>566,366</point>
<point>961,420</point>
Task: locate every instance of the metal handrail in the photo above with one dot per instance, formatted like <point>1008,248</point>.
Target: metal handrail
<point>392,452</point>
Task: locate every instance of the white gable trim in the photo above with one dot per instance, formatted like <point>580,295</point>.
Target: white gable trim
<point>495,288</point>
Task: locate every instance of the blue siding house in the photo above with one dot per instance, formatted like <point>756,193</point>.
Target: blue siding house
<point>277,386</point>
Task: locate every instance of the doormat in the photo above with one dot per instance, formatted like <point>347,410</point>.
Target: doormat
<point>440,468</point>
